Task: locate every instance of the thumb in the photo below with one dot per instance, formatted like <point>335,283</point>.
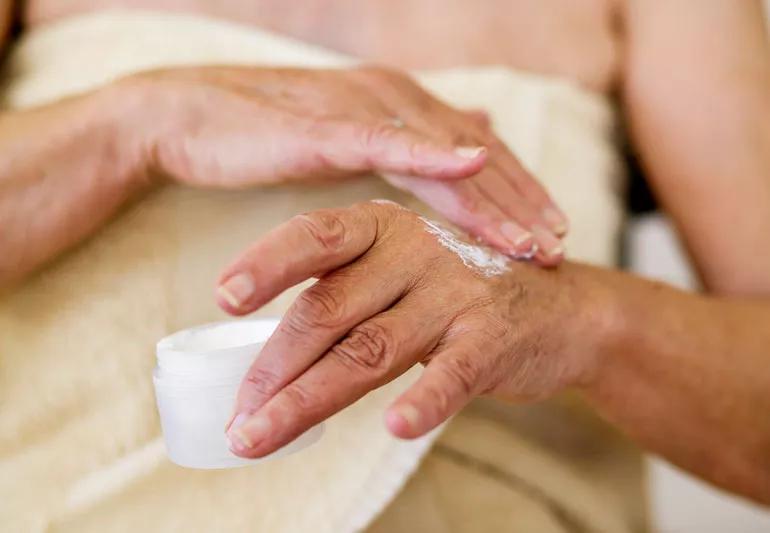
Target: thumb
<point>446,385</point>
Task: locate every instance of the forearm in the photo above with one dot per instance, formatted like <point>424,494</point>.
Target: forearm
<point>688,377</point>
<point>64,170</point>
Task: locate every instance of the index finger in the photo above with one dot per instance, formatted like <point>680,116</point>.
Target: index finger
<point>308,245</point>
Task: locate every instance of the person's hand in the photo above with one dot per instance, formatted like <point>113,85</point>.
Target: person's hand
<point>395,290</point>
<point>236,127</point>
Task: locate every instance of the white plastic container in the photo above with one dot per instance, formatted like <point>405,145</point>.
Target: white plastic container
<point>197,377</point>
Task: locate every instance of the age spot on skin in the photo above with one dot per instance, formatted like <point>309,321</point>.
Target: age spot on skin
<point>478,258</point>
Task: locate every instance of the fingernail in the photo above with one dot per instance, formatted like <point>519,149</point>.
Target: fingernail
<point>253,431</point>
<point>237,289</point>
<point>555,252</point>
<point>556,220</point>
<point>550,245</point>
<point>515,236</point>
<point>470,152</point>
<point>237,440</point>
<point>410,414</point>
<point>529,254</point>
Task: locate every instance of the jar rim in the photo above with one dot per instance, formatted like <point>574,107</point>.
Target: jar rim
<point>213,349</point>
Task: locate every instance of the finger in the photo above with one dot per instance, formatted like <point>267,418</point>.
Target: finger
<point>531,189</point>
<point>372,354</point>
<point>306,246</point>
<point>394,147</point>
<point>549,249</point>
<point>518,177</point>
<point>464,205</point>
<point>451,379</point>
<point>480,118</point>
<point>488,206</point>
<point>317,319</point>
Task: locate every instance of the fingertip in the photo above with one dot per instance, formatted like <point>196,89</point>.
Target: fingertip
<point>234,292</point>
<point>556,220</point>
<point>403,421</point>
<point>550,258</point>
<point>480,117</point>
<point>226,301</point>
<point>521,242</point>
<point>396,424</point>
<point>249,435</point>
<point>551,249</point>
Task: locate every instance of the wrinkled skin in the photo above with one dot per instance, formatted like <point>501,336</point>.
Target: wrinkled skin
<point>235,127</point>
<point>390,296</point>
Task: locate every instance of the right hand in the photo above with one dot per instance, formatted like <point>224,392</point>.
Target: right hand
<point>236,127</point>
<point>395,290</point>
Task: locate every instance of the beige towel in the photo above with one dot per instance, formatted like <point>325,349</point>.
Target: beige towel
<point>79,436</point>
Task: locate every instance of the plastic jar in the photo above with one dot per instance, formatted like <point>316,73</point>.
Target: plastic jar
<point>196,380</point>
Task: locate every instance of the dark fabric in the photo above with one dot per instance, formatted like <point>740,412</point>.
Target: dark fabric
<point>639,197</point>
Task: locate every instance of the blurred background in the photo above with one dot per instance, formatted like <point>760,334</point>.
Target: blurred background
<point>681,503</point>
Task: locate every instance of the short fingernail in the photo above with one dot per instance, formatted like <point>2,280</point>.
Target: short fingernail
<point>237,289</point>
<point>529,253</point>
<point>549,244</point>
<point>409,414</point>
<point>556,251</point>
<point>470,152</point>
<point>245,432</point>
<point>556,220</point>
<point>237,440</point>
<point>516,236</point>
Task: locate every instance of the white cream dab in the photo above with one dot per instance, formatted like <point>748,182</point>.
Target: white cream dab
<point>479,258</point>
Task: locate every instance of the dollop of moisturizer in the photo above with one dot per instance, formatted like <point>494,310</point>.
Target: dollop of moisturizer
<point>481,259</point>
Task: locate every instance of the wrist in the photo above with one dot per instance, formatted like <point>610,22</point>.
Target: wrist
<point>133,106</point>
<point>602,323</point>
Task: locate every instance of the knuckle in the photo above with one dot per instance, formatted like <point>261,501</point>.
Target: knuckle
<point>380,208</point>
<point>374,137</point>
<point>323,304</point>
<point>295,326</point>
<point>325,228</point>
<point>495,327</point>
<point>370,348</point>
<point>463,373</point>
<point>320,306</point>
<point>301,399</point>
<point>262,381</point>
<point>480,300</point>
<point>439,399</point>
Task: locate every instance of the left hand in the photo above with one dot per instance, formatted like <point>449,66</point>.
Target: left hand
<point>394,291</point>
<point>233,127</point>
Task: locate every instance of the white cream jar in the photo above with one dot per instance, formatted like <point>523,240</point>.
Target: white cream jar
<point>196,379</point>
